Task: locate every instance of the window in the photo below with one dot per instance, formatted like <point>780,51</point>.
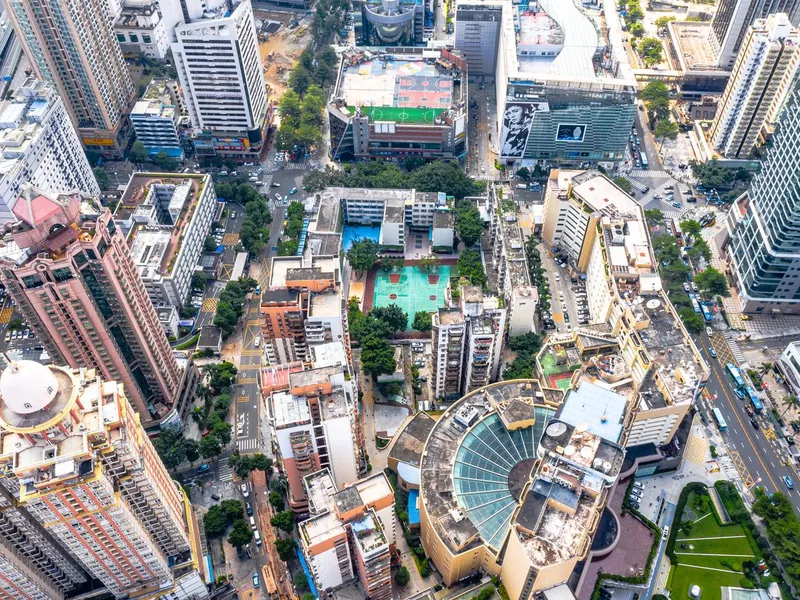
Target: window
<point>134,38</point>
<point>146,38</point>
<point>32,281</point>
<point>121,38</point>
<point>62,274</point>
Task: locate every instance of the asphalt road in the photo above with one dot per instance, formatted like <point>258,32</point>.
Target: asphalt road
<point>760,460</point>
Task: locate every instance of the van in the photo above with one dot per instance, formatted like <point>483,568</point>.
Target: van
<point>252,179</point>
<point>257,537</point>
<point>253,523</point>
<point>521,186</point>
<point>223,172</point>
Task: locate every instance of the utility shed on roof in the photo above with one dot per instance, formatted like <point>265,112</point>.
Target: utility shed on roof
<point>596,408</point>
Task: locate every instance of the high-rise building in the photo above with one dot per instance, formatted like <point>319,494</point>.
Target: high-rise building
<point>314,426</point>
<point>478,27</point>
<point>448,332</point>
<point>176,12</point>
<point>155,119</point>
<point>392,22</point>
<point>73,45</point>
<point>761,80</point>
<point>733,18</point>
<point>87,501</point>
<point>140,31</point>
<point>74,281</point>
<point>762,249</point>
<point>219,67</point>
<point>39,145</point>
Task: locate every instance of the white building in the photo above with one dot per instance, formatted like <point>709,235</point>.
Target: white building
<point>175,12</point>
<point>324,323</point>
<point>155,119</point>
<point>40,146</point>
<point>789,364</point>
<point>140,30</point>
<point>167,220</point>
<point>393,225</point>
<point>219,67</point>
<point>757,90</point>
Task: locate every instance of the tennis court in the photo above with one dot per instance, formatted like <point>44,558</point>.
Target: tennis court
<point>411,289</point>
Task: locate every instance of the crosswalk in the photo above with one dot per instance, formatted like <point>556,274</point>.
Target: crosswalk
<point>296,166</point>
<point>651,173</point>
<point>730,337</point>
<point>636,184</point>
<point>225,470</point>
<point>248,444</point>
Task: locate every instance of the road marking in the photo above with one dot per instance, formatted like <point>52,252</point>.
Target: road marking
<point>253,352</point>
<point>242,398</point>
<point>717,537</point>
<point>210,305</point>
<point>246,380</point>
<point>230,239</point>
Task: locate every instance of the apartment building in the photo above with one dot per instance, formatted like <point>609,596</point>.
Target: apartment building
<point>83,483</point>
<point>156,117</point>
<point>314,426</point>
<point>74,281</point>
<point>219,67</point>
<point>448,332</point>
<point>39,146</point>
<point>302,306</point>
<point>140,30</point>
<point>73,46</point>
<point>335,538</point>
<point>393,226</point>
<point>165,221</point>
<point>762,77</point>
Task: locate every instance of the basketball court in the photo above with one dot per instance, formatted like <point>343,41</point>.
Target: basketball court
<point>412,289</point>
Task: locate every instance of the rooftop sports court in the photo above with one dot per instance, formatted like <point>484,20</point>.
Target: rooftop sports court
<point>398,91</point>
<point>412,289</point>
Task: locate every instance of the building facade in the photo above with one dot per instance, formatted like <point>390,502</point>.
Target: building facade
<point>81,474</point>
<point>391,23</point>
<point>733,19</point>
<point>75,283</point>
<point>73,46</point>
<point>219,67</point>
<point>155,119</point>
<point>39,146</point>
<point>478,27</point>
<point>140,30</point>
<point>762,77</point>
<point>763,254</point>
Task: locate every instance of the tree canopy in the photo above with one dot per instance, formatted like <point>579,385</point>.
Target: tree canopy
<point>240,535</point>
<point>691,320</point>
<point>285,548</point>
<point>713,283</point>
<point>363,254</point>
<point>469,224</point>
<point>283,520</point>
<point>392,315</point>
<point>423,321</point>
<point>654,216</point>
<point>138,153</point>
<point>624,184</point>
<point>783,530</point>
<point>666,129</point>
<point>651,50</point>
<point>230,306</point>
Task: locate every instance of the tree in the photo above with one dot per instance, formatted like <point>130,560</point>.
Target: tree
<point>412,163</point>
<point>192,449</point>
<point>654,216</point>
<point>790,401</point>
<point>402,577</point>
<point>691,227</point>
<point>300,582</point>
<point>665,128</point>
<point>283,520</point>
<point>637,30</point>
<point>651,50</point>
<point>712,175</point>
<point>232,509</point>
<point>259,462</point>
<point>222,431</point>
<point>220,375</point>
<point>102,177</point>
<point>656,99</point>
<point>284,137</point>
<point>527,343</point>
<point>200,279</point>
<point>276,500</point>
<point>712,282</point>
<point>442,176</point>
<point>138,153</point>
<point>308,596</point>
<point>240,535</point>
<point>215,521</point>
<point>423,321</point>
<point>519,368</point>
<point>170,447</point>
<point>290,108</point>
<point>392,315</point>
<point>524,173</point>
<point>285,548</point>
<point>624,184</point>
<point>662,22</point>
<point>469,224</point>
<point>362,255</point>
<point>209,446</point>
<point>377,356</point>
<point>166,162</point>
<point>691,320</point>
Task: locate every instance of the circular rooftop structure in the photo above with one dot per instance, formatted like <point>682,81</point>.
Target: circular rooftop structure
<point>27,386</point>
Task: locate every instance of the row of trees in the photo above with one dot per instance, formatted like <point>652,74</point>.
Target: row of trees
<point>650,49</point>
<point>714,176</point>
<point>301,118</point>
<point>230,307</point>
<point>438,176</point>
<point>656,100</point>
<point>469,224</point>
<point>228,515</point>
<point>138,154</point>
<point>254,232</point>
<point>371,332</point>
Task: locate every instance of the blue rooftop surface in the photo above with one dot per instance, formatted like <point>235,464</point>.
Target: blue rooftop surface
<point>599,409</point>
<point>413,507</point>
<point>408,473</point>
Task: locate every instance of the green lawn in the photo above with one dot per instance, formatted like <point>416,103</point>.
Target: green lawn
<point>694,568</point>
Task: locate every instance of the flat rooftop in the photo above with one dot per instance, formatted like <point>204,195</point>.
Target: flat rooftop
<point>286,269</point>
<point>313,376</point>
<point>374,488</point>
<point>410,441</point>
<point>694,52</point>
<point>330,354</point>
<point>327,219</point>
<point>601,194</point>
<point>323,244</point>
<point>596,409</point>
<point>327,304</point>
<point>450,316</point>
<point>514,249</point>
<point>289,410</point>
<point>368,533</point>
<point>394,211</point>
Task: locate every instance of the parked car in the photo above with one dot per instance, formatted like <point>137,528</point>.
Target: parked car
<point>638,485</point>
<point>293,190</point>
<point>202,468</point>
<point>245,491</point>
<point>256,583</point>
<point>686,287</point>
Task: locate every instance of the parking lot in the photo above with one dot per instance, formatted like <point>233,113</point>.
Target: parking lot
<point>569,303</point>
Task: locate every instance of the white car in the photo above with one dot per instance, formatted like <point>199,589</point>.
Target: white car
<point>245,491</point>
<point>279,198</point>
<point>686,287</point>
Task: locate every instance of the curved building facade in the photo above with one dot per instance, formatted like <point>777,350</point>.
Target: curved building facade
<point>514,482</point>
<point>391,23</point>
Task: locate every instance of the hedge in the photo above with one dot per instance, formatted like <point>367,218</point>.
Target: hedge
<point>697,488</point>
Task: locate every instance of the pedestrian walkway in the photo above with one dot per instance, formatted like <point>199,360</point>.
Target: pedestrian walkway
<point>652,173</point>
<point>696,447</point>
<point>297,166</point>
<point>225,470</point>
<point>730,338</point>
<point>636,184</point>
<point>250,444</point>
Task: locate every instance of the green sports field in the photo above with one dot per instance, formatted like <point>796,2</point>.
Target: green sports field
<point>395,114</point>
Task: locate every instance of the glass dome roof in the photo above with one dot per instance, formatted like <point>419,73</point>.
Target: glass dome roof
<point>483,468</point>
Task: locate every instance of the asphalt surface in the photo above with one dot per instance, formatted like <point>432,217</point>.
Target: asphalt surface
<point>760,457</point>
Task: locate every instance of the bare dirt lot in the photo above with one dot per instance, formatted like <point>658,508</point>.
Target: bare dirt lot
<point>281,49</point>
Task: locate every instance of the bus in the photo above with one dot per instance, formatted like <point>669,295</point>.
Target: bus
<point>735,374</point>
<point>696,306</point>
<point>643,157</point>
<point>706,313</point>
<point>719,419</point>
<point>675,225</point>
<point>752,395</point>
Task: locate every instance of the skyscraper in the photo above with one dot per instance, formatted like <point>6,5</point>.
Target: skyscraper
<point>764,225</point>
<point>72,44</point>
<point>733,18</point>
<point>74,281</point>
<point>757,89</point>
<point>87,487</point>
<point>219,67</point>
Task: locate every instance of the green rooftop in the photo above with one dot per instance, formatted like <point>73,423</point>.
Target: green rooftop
<point>399,114</point>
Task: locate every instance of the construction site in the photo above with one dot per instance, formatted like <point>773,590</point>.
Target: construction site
<point>282,37</point>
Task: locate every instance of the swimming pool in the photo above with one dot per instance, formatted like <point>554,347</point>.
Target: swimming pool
<point>351,233</point>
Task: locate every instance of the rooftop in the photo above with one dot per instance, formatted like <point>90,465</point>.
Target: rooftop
<point>409,443</point>
<point>347,500</point>
<point>443,219</point>
<point>595,409</point>
<point>692,48</point>
<point>323,244</point>
<point>394,211</point>
<point>288,269</point>
<point>327,304</point>
<point>514,249</point>
<point>157,101</point>
<point>289,410</point>
<point>327,219</point>
<point>276,378</point>
<point>330,354</point>
<point>315,376</point>
<point>368,533</point>
<point>210,337</point>
<point>449,316</point>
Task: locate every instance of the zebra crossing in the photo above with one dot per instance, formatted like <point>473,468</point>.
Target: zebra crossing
<point>651,173</point>
<point>248,444</point>
<point>225,470</point>
<point>636,184</point>
<point>730,338</point>
<point>301,166</point>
